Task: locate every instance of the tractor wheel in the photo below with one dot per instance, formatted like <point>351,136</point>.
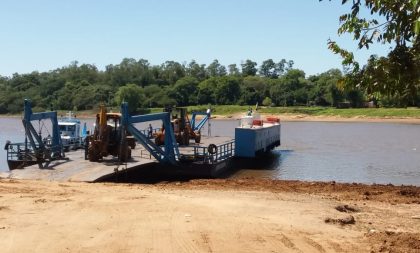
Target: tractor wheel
<point>158,140</point>
<point>185,138</point>
<point>197,138</point>
<point>129,153</point>
<point>125,153</point>
<point>178,138</point>
<point>93,154</point>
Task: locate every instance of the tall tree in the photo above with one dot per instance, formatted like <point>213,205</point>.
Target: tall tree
<point>249,68</point>
<point>253,90</point>
<point>399,26</point>
<point>132,94</point>
<point>185,91</point>
<point>268,69</point>
<point>216,69</point>
<point>233,70</point>
<point>290,89</point>
<point>324,91</point>
<point>172,71</point>
<point>206,91</point>
<point>196,70</point>
<point>228,90</point>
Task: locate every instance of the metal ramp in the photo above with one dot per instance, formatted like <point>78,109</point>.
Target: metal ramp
<point>78,169</point>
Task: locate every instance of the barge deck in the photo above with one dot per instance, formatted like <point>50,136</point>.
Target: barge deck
<point>76,168</point>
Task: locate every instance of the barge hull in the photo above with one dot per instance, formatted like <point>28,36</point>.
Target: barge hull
<point>250,142</point>
<point>19,164</point>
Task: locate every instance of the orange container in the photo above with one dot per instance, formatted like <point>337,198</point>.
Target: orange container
<point>273,119</point>
<point>257,122</point>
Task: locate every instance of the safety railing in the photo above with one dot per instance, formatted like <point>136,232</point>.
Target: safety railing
<point>214,153</point>
<point>25,152</point>
<point>145,154</point>
<point>19,152</point>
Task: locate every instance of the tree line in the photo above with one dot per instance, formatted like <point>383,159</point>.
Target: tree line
<point>83,86</point>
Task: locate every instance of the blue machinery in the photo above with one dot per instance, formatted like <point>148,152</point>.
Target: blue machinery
<point>170,153</point>
<point>200,124</point>
<point>39,150</point>
<point>35,139</point>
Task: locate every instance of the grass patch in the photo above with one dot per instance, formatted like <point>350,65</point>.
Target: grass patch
<point>317,111</point>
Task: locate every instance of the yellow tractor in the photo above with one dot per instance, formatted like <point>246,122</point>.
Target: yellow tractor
<point>181,126</point>
<point>108,139</point>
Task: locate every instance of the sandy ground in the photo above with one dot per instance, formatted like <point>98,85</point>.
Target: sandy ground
<point>207,216</point>
<point>304,117</point>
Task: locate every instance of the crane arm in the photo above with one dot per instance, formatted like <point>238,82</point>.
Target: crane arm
<point>34,138</point>
<point>170,153</point>
<point>197,127</point>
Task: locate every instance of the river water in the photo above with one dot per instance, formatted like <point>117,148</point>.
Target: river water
<point>321,151</point>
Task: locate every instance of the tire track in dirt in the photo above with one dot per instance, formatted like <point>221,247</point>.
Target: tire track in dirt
<point>206,241</point>
<point>241,234</point>
<point>335,246</point>
<point>314,244</point>
<point>275,238</point>
<point>298,241</point>
<point>156,231</point>
<point>288,243</point>
<point>125,227</point>
<point>53,210</point>
<point>181,228</point>
<point>271,240</point>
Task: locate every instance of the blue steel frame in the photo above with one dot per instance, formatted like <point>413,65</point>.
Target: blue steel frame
<point>170,154</point>
<point>35,140</point>
<point>202,122</point>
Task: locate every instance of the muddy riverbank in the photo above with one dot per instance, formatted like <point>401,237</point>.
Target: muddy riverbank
<point>244,215</point>
<point>309,118</point>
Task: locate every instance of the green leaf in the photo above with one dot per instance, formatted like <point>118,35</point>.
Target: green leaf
<point>417,27</point>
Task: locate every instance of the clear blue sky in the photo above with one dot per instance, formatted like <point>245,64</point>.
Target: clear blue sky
<point>47,34</point>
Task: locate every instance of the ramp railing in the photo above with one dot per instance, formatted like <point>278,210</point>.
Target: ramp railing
<point>215,154</point>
